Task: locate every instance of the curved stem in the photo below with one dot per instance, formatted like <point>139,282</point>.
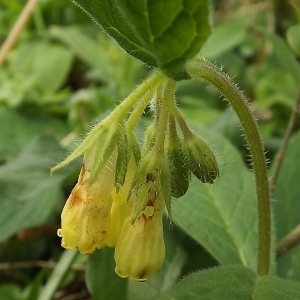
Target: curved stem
<point>124,107</point>
<point>203,69</point>
<point>180,120</point>
<point>138,110</point>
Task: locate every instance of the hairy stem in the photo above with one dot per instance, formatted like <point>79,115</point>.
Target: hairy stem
<point>203,69</point>
<point>163,116</point>
<point>138,110</point>
<point>124,107</point>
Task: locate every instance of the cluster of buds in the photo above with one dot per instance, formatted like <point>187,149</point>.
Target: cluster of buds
<point>122,192</point>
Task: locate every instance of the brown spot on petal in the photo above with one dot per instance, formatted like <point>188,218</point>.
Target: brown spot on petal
<point>75,197</point>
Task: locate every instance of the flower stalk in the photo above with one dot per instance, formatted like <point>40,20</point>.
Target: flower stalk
<point>200,68</point>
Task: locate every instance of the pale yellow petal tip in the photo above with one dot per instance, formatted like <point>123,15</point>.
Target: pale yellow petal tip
<point>141,279</point>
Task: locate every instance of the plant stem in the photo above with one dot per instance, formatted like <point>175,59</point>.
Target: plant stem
<point>138,110</point>
<point>37,264</point>
<point>281,153</point>
<point>289,241</point>
<point>124,107</point>
<point>180,120</point>
<point>203,69</point>
<point>163,116</point>
<point>62,267</point>
<point>17,28</point>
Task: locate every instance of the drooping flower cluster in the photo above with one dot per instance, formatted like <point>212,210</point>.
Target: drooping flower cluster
<point>121,194</point>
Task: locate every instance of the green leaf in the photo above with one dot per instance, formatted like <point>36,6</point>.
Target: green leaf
<point>27,192</point>
<point>49,74</point>
<point>276,88</point>
<point>285,57</point>
<point>220,283</point>
<point>293,37</point>
<point>101,279</point>
<point>223,215</point>
<point>225,37</point>
<point>276,289</point>
<point>160,33</point>
<point>287,206</point>
<point>233,283</point>
<point>167,277</point>
<point>11,292</point>
<point>19,129</point>
<point>85,47</point>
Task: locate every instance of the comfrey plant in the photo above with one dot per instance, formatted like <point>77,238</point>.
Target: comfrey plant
<point>121,193</point>
<point>122,190</point>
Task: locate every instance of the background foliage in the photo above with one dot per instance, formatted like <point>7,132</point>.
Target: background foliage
<point>65,73</point>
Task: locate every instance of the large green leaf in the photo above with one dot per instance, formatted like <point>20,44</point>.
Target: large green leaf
<point>233,283</point>
<point>27,192</point>
<point>287,207</point>
<point>158,32</point>
<point>222,217</point>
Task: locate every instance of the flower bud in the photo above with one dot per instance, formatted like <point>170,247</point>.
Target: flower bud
<point>140,249</point>
<point>85,219</point>
<point>201,159</point>
<point>179,169</point>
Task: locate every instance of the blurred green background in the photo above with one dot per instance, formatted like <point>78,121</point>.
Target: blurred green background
<point>62,75</point>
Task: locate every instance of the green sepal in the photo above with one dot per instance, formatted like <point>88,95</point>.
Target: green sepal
<point>146,179</point>
<point>179,170</point>
<point>149,139</point>
<point>200,158</point>
<point>99,130</point>
<point>105,145</point>
<point>165,184</point>
<point>134,146</point>
<point>122,160</point>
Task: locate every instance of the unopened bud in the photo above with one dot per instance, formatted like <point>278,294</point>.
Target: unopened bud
<point>178,168</point>
<point>201,159</point>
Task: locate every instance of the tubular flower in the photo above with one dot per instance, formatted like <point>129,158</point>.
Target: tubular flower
<point>85,219</point>
<point>140,248</point>
<point>121,208</point>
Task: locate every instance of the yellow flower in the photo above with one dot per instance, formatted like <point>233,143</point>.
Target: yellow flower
<point>140,248</point>
<point>121,208</point>
<point>85,219</point>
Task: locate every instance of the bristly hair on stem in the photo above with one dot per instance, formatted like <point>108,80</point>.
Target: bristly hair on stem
<point>202,69</point>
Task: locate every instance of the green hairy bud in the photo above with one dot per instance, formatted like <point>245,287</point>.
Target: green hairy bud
<point>179,169</point>
<point>201,159</point>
